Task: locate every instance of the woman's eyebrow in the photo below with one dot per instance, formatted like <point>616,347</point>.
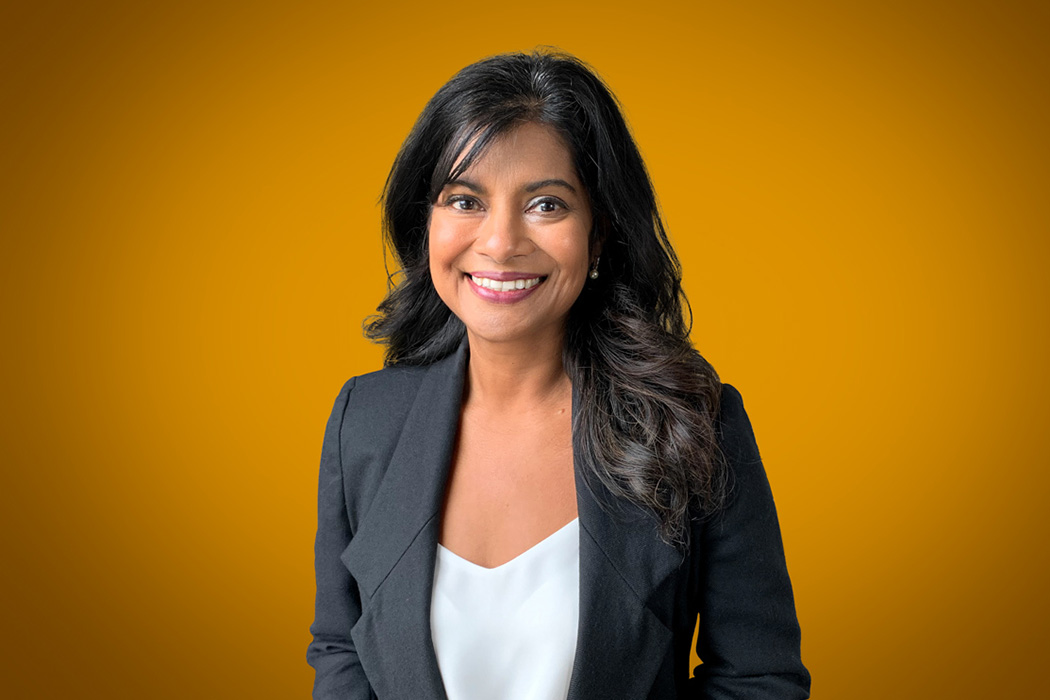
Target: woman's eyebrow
<point>553,182</point>
<point>531,187</point>
<point>469,184</point>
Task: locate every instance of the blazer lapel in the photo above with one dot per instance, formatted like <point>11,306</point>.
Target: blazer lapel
<point>392,554</point>
<point>622,640</point>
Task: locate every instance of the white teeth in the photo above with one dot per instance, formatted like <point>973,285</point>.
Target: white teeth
<point>505,286</point>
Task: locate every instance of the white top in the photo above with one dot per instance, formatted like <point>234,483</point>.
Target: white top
<point>508,632</point>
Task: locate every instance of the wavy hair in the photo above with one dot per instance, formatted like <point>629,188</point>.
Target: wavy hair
<point>646,399</point>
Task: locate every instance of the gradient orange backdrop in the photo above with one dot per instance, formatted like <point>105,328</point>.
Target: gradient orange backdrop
<point>858,192</point>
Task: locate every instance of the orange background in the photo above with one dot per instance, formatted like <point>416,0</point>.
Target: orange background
<point>190,241</point>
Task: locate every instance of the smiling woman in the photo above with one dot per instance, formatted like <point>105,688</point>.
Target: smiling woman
<point>547,485</point>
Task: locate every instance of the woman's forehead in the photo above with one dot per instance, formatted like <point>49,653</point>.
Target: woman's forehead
<point>527,150</point>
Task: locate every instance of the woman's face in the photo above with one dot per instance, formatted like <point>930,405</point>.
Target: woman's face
<point>509,239</point>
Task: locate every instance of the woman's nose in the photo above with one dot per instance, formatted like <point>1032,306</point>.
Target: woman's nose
<point>503,235</point>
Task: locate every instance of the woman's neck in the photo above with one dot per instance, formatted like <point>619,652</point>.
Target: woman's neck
<point>516,376</point>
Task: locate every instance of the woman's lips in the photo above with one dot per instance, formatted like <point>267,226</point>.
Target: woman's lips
<point>504,287</point>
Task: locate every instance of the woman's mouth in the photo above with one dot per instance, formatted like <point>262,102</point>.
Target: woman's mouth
<point>505,285</point>
<point>508,288</point>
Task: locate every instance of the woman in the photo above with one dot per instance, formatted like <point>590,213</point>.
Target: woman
<point>547,484</point>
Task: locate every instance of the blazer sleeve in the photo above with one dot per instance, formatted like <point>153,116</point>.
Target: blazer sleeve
<point>749,637</point>
<point>338,606</point>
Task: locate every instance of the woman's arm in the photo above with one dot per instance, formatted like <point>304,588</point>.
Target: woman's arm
<point>332,653</point>
<point>749,636</point>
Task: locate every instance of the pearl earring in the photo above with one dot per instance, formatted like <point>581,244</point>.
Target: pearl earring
<point>594,270</point>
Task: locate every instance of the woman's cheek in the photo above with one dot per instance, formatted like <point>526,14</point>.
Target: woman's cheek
<point>448,240</point>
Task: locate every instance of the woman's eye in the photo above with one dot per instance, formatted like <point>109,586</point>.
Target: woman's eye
<point>548,206</point>
<point>462,203</point>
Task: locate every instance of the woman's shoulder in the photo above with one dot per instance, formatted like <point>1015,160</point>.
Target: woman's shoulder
<point>730,406</point>
<point>389,383</point>
<point>368,400</point>
<point>736,438</point>
<point>399,383</point>
<point>729,391</point>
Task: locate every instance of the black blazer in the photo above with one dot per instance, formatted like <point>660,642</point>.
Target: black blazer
<point>384,464</point>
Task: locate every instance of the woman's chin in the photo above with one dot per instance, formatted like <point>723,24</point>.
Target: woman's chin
<point>510,334</point>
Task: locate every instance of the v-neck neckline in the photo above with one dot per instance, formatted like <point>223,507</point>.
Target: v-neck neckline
<point>529,553</point>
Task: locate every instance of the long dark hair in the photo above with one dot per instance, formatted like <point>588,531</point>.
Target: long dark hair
<point>646,399</point>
